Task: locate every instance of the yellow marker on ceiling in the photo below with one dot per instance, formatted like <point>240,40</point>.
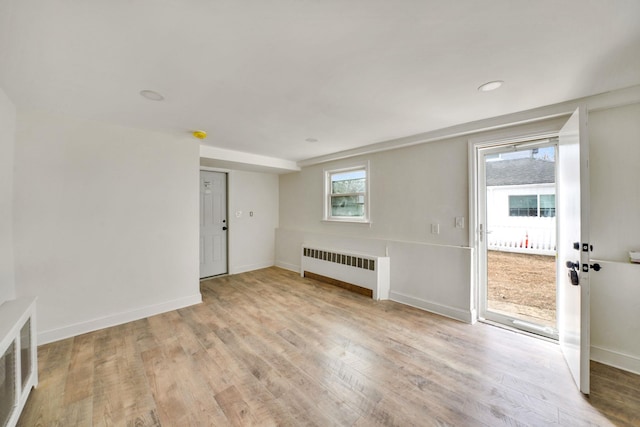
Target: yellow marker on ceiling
<point>200,134</point>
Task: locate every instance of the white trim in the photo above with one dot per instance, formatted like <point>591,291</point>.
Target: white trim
<point>211,169</point>
<point>250,267</point>
<point>240,157</point>
<point>461,315</point>
<point>536,132</point>
<point>52,335</point>
<point>366,219</point>
<point>287,266</point>
<point>230,211</point>
<point>346,221</point>
<point>472,226</point>
<point>617,360</point>
<point>618,98</point>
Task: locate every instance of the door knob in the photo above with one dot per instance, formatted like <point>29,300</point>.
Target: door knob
<point>573,265</point>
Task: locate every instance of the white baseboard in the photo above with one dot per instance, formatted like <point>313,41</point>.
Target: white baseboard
<point>249,267</point>
<point>287,266</point>
<point>474,316</point>
<point>52,335</point>
<point>443,310</point>
<point>615,359</point>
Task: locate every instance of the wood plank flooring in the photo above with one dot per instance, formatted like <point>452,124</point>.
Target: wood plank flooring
<point>269,348</point>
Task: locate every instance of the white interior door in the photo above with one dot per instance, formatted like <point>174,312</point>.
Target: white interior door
<point>213,223</point>
<point>573,256</point>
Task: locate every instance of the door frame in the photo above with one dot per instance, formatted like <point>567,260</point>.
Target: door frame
<point>481,149</point>
<point>228,173</point>
<point>545,127</point>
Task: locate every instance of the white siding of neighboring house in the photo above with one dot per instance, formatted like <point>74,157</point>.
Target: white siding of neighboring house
<point>533,235</point>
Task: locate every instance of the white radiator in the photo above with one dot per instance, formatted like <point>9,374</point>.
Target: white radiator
<point>18,357</point>
<point>367,271</point>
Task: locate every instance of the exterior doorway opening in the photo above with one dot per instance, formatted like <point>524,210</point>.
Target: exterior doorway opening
<point>518,253</point>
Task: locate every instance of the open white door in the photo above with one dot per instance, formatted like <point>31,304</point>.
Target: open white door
<point>572,206</point>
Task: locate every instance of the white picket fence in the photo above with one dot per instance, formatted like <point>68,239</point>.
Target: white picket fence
<point>523,239</point>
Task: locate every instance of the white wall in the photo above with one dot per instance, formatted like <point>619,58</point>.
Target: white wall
<point>7,142</point>
<point>106,222</point>
<point>411,188</point>
<point>614,156</point>
<point>252,238</point>
<point>408,194</point>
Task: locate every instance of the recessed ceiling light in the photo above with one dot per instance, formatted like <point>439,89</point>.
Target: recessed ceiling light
<point>490,86</point>
<point>311,140</point>
<point>152,95</point>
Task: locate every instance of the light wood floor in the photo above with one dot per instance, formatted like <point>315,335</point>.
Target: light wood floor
<point>269,348</point>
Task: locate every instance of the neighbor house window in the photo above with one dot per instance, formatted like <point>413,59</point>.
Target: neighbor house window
<point>543,205</point>
<point>548,205</point>
<point>346,194</point>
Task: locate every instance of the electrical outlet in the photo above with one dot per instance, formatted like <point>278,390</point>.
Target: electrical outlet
<point>435,228</point>
<point>459,222</point>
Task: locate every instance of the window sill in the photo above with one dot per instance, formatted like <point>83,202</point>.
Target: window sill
<point>347,221</point>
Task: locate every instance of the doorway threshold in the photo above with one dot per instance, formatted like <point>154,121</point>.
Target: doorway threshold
<point>203,279</point>
<point>519,331</point>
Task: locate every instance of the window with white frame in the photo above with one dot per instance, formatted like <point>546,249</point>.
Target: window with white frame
<point>541,205</point>
<point>346,194</point>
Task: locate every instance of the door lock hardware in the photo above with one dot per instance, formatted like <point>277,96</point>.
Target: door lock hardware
<point>586,247</point>
<point>224,228</point>
<point>573,275</point>
<point>573,272</point>
<point>594,267</point>
<point>573,265</point>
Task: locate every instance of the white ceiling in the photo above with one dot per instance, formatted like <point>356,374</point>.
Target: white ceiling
<point>261,76</point>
